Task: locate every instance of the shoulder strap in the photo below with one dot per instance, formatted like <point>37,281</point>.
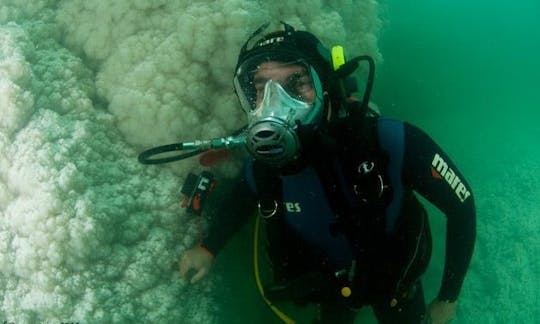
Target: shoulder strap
<point>358,130</point>
<point>269,189</point>
<point>392,141</point>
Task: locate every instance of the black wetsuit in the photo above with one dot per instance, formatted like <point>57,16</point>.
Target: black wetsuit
<point>368,174</point>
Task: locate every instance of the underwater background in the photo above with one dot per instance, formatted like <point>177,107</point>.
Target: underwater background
<point>467,72</point>
<point>89,235</point>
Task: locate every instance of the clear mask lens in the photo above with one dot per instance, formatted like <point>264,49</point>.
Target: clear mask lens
<point>275,89</point>
<point>278,103</point>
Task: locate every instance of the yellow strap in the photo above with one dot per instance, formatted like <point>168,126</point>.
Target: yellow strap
<point>276,311</point>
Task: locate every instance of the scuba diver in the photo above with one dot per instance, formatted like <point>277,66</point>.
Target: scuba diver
<point>335,186</point>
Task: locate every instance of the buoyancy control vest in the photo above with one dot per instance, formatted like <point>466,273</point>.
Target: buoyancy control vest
<point>341,211</point>
<point>342,188</point>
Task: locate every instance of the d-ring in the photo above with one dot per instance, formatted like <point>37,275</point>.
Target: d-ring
<point>267,213</point>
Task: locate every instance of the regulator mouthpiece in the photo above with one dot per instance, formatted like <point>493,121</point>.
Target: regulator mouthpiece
<point>271,141</point>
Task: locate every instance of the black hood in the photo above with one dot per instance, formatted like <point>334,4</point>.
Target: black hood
<point>286,45</point>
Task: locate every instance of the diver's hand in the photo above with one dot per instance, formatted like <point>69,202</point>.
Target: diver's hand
<point>441,312</point>
<point>197,259</point>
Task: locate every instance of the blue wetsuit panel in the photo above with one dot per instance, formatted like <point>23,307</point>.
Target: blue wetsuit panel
<point>308,212</point>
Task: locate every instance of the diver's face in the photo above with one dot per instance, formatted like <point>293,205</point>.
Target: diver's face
<point>294,78</point>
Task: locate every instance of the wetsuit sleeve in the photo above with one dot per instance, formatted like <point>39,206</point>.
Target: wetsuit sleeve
<point>229,208</point>
<point>430,172</point>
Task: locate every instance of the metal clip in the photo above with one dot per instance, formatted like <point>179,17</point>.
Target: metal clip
<point>267,213</point>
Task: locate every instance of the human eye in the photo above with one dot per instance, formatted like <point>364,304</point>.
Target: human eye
<point>298,85</point>
<point>259,84</point>
<point>304,82</point>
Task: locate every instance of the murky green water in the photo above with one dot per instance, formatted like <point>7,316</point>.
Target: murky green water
<point>74,250</point>
<point>469,74</point>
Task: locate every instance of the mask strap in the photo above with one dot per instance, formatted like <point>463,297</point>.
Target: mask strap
<point>254,34</point>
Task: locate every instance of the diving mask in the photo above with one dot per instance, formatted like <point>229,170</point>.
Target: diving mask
<point>276,97</point>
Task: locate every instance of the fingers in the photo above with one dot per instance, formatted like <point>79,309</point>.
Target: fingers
<point>199,275</point>
<point>185,265</point>
<point>195,261</point>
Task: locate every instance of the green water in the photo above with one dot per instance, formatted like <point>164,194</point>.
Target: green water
<point>469,74</point>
